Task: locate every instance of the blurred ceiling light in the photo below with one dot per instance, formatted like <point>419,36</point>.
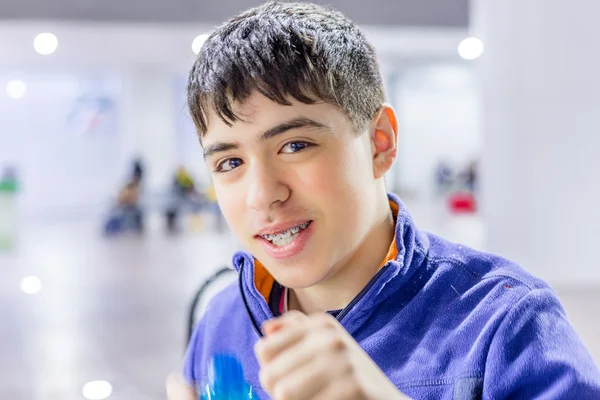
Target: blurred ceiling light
<point>97,390</point>
<point>31,285</point>
<point>198,42</point>
<point>470,48</point>
<point>45,43</point>
<point>16,89</point>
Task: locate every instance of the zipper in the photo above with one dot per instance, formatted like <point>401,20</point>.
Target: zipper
<point>362,293</point>
<point>340,316</point>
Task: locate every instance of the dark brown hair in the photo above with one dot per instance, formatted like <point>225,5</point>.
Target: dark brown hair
<point>300,50</point>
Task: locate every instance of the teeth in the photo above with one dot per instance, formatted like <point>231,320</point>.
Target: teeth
<point>286,237</point>
<point>284,241</point>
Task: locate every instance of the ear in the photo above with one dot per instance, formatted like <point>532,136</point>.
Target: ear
<point>384,140</point>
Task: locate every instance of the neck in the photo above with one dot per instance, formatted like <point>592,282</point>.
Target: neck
<point>353,274</point>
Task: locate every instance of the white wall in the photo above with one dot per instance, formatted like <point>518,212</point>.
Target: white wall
<point>148,124</point>
<point>63,137</point>
<point>189,150</point>
<point>439,119</point>
<point>541,120</point>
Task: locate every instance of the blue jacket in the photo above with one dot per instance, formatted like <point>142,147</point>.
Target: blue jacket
<point>442,321</point>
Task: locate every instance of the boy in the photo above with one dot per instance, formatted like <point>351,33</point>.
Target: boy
<point>340,296</point>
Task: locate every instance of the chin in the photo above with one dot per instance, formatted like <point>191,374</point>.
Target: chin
<point>297,277</point>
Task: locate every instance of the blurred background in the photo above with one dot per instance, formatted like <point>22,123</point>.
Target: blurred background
<point>107,217</point>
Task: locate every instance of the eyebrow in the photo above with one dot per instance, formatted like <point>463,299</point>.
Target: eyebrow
<point>218,148</point>
<point>295,123</point>
<point>301,122</point>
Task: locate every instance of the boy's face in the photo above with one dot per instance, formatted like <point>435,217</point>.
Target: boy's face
<point>296,184</point>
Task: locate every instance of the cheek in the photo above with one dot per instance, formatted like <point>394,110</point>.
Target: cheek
<point>318,180</point>
<point>227,197</point>
<point>338,175</point>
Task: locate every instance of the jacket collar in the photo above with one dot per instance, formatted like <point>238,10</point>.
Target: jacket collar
<point>411,245</point>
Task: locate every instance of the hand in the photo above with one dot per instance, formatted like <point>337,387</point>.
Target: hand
<point>178,389</point>
<point>314,358</point>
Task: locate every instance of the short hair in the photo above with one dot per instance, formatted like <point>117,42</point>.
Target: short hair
<point>302,50</point>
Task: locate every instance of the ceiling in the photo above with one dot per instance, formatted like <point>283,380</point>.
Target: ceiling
<point>435,13</point>
<point>101,45</point>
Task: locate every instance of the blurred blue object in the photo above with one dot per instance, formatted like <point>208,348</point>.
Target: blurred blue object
<point>226,380</point>
<point>114,224</point>
<point>122,219</point>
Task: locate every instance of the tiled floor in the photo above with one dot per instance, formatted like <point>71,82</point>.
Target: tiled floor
<point>108,309</point>
<point>115,309</point>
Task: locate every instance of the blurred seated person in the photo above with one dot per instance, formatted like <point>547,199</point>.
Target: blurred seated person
<point>127,212</point>
<point>138,169</point>
<point>184,195</point>
<point>184,183</point>
<point>129,203</point>
<point>129,195</point>
<point>444,178</point>
<point>470,176</point>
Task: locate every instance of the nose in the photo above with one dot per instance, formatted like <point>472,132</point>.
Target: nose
<point>265,189</point>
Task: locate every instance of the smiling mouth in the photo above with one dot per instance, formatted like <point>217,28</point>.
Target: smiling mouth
<point>286,237</point>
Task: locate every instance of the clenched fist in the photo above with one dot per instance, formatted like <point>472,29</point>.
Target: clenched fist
<point>314,358</point>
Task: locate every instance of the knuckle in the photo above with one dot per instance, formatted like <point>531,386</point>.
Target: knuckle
<point>266,379</point>
<point>329,321</point>
<point>351,390</point>
<point>324,318</point>
<point>293,315</point>
<point>335,343</point>
<point>355,392</point>
<point>283,392</point>
<point>348,369</point>
<point>323,322</point>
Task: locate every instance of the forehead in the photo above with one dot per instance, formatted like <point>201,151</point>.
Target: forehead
<point>258,114</point>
